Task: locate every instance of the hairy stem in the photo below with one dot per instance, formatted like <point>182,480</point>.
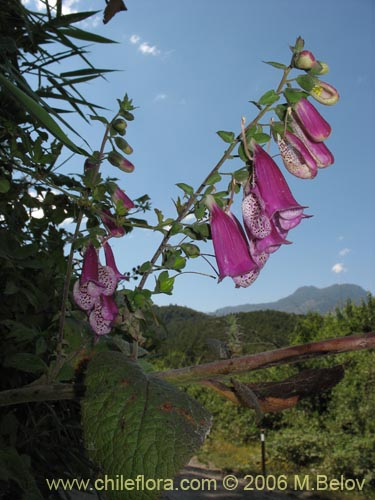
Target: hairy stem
<point>190,202</point>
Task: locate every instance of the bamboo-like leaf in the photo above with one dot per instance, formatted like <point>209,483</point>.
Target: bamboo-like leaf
<point>41,115</point>
<point>69,19</point>
<point>86,36</point>
<point>86,71</point>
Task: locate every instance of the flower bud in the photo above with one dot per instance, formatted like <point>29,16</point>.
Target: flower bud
<point>305,60</point>
<point>120,162</point>
<point>119,196</point>
<point>324,68</point>
<point>325,94</point>
<point>120,126</point>
<point>123,145</point>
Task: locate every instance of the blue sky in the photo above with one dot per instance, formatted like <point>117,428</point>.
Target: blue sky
<point>192,67</point>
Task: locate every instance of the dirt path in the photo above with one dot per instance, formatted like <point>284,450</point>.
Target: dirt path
<point>216,491</point>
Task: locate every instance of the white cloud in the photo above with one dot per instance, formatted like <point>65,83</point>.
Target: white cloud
<point>160,97</point>
<point>134,39</point>
<point>68,6</point>
<point>344,252</point>
<point>148,49</point>
<point>338,268</point>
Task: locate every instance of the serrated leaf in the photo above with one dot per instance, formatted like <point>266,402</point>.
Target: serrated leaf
<point>268,98</point>
<point>276,64</point>
<point>135,424</point>
<point>226,136</point>
<point>186,188</point>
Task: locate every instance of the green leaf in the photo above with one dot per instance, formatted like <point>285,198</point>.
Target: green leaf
<point>307,82</point>
<point>276,64</point>
<point>226,136</point>
<point>190,250</point>
<point>262,138</point>
<point>41,115</point>
<point>241,175</point>
<point>268,98</point>
<point>69,19</point>
<point>164,283</point>
<point>294,95</point>
<point>242,153</point>
<point>136,424</point>
<point>86,35</point>
<point>4,185</point>
<point>98,118</point>
<point>15,468</point>
<point>26,362</point>
<point>213,179</point>
<point>186,188</point>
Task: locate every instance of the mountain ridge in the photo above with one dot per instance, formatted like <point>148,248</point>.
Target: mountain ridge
<point>305,299</point>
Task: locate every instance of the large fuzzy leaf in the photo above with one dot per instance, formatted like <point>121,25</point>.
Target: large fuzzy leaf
<point>135,424</point>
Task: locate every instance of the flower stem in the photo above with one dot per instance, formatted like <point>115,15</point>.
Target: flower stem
<point>190,202</point>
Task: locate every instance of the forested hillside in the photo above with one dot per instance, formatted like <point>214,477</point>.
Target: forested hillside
<point>186,337</point>
<point>339,420</point>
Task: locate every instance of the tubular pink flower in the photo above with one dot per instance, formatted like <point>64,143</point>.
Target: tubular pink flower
<point>110,262</point>
<point>90,265</point>
<point>98,323</point>
<point>109,309</point>
<point>231,248</point>
<point>271,187</point>
<point>325,93</point>
<point>109,220</point>
<point>120,196</point>
<point>318,150</point>
<point>263,235</point>
<point>312,122</point>
<point>296,157</point>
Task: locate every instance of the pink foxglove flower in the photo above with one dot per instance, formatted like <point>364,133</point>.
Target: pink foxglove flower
<point>264,237</point>
<point>312,122</point>
<point>119,196</point>
<point>109,220</point>
<point>110,262</point>
<point>231,247</point>
<point>318,150</point>
<point>274,194</point>
<point>296,157</point>
<point>325,93</point>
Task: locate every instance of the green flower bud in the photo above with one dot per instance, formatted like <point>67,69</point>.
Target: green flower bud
<point>120,162</point>
<point>324,68</point>
<point>120,126</point>
<point>123,145</point>
<point>305,60</point>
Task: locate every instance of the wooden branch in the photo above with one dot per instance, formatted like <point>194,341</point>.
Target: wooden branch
<point>268,358</point>
<point>55,392</point>
<point>35,393</point>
